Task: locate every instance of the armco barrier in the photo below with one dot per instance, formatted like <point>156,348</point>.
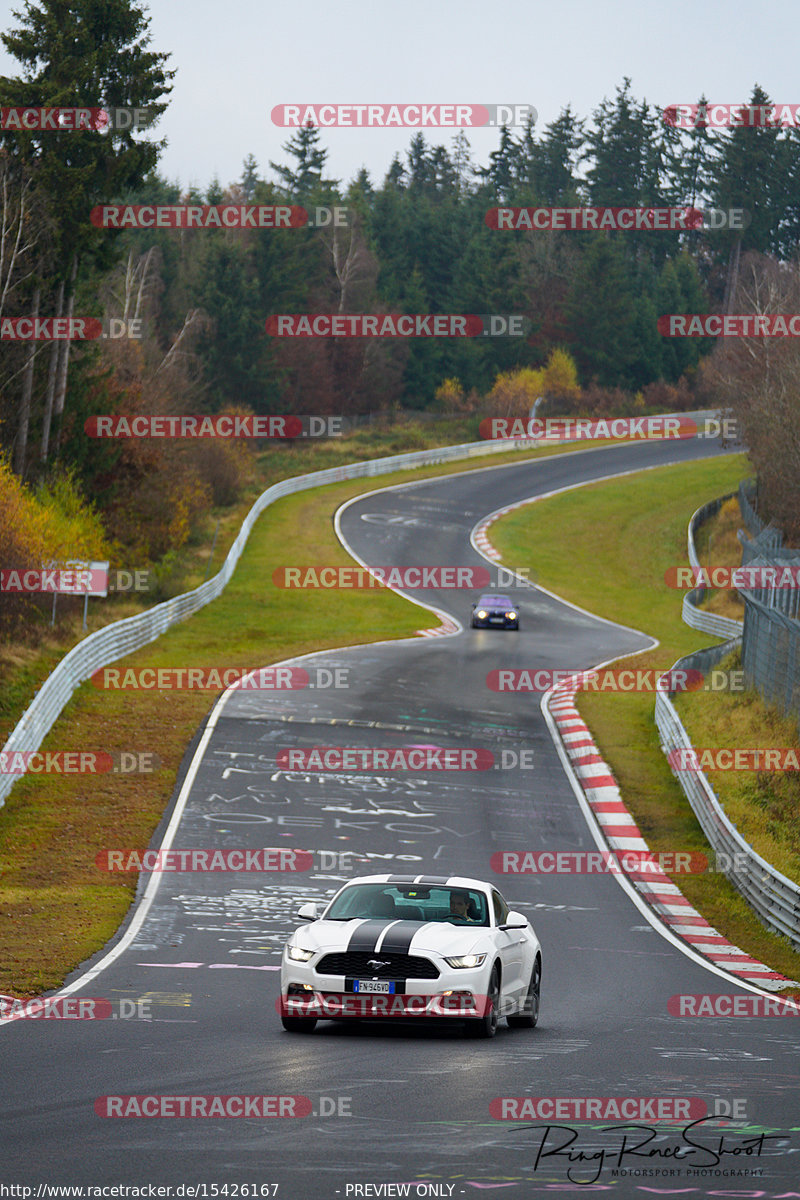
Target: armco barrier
<point>774,898</point>
<point>694,617</point>
<point>771,634</point>
<point>123,637</point>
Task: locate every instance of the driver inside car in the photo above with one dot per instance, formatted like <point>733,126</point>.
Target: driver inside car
<point>461,907</point>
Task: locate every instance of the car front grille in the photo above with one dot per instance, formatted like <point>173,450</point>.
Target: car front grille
<point>355,964</point>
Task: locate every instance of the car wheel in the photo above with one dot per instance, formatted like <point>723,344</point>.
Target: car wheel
<point>528,1015</point>
<point>486,1027</point>
<point>299,1024</point>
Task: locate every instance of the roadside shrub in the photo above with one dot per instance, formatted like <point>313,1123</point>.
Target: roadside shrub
<point>53,523</point>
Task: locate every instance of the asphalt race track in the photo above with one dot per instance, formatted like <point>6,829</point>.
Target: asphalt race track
<point>396,1104</point>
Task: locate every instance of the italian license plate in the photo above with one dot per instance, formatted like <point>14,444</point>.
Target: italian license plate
<point>374,986</point>
<point>497,620</point>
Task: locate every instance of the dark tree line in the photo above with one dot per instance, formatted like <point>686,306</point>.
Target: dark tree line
<point>415,242</point>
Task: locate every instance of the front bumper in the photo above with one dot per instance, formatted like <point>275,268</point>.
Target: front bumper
<point>458,994</point>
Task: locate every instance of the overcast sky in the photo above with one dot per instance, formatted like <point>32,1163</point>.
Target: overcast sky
<point>236,59</point>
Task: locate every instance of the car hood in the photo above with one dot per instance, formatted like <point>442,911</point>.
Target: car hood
<point>438,937</point>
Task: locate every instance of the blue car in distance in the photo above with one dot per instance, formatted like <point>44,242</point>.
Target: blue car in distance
<point>494,612</point>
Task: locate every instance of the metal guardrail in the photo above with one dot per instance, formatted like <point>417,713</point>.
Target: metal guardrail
<point>123,637</point>
<point>771,643</point>
<point>694,617</point>
<point>705,622</point>
<point>774,897</point>
<point>747,506</point>
<point>771,653</point>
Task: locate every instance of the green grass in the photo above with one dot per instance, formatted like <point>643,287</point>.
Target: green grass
<point>26,663</point>
<point>606,547</point>
<point>763,805</point>
<point>56,906</point>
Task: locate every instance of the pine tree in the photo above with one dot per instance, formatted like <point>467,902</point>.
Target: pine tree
<point>556,158</point>
<point>249,178</point>
<point>750,173</point>
<point>304,180</point>
<point>503,167</point>
<point>669,299</point>
<point>462,163</point>
<point>623,145</point>
<point>601,314</point>
<point>91,54</point>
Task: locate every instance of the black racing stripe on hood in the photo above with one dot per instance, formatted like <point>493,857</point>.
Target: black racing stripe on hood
<point>428,879</point>
<point>399,937</point>
<point>366,935</point>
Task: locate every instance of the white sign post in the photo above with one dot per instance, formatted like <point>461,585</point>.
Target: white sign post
<point>78,578</point>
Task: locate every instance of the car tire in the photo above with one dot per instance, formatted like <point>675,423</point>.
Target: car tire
<point>529,1014</point>
<point>299,1024</point>
<point>486,1026</point>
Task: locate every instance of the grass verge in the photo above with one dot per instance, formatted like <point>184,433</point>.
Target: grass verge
<point>601,548</point>
<point>56,906</point>
<point>25,664</point>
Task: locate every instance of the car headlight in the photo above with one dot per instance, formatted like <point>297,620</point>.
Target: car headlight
<point>466,960</point>
<point>298,954</point>
<point>482,613</point>
<point>512,616</point>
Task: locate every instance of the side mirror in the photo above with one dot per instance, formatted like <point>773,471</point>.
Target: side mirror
<point>308,911</point>
<point>515,920</point>
<point>475,605</point>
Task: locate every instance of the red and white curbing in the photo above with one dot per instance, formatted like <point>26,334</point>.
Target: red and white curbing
<point>481,532</point>
<point>622,833</point>
<point>446,628</point>
<point>619,828</point>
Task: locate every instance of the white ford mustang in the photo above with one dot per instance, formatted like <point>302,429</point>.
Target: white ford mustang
<point>410,946</point>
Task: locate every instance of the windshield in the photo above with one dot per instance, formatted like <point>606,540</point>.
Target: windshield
<point>410,902</point>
